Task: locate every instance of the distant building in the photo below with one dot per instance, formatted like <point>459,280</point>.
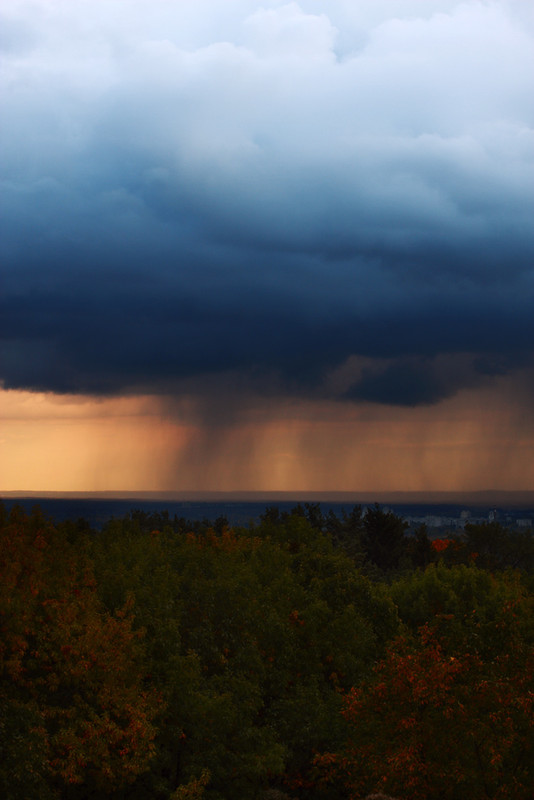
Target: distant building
<point>433,522</point>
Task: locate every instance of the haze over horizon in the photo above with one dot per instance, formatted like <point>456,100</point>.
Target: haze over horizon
<point>267,246</point>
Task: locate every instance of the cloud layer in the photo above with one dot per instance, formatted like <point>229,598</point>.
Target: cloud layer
<point>332,204</point>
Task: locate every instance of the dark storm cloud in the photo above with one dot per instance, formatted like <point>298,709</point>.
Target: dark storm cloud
<point>267,193</point>
<point>400,383</point>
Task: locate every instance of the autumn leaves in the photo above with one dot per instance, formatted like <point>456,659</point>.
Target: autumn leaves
<point>168,660</point>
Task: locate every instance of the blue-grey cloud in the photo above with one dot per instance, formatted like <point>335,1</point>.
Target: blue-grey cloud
<point>204,189</point>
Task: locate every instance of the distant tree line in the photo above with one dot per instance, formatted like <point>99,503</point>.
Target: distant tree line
<point>307,655</point>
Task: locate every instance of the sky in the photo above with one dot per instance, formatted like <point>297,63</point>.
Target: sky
<point>277,246</point>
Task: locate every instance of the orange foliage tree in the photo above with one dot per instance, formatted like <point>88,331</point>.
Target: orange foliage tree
<point>430,724</point>
<point>68,669</point>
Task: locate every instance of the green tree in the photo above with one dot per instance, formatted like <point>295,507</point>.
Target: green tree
<point>419,547</point>
<point>494,547</point>
<point>467,606</point>
<point>384,538</point>
<point>249,636</point>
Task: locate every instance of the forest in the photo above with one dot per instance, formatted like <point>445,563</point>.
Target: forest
<point>302,656</point>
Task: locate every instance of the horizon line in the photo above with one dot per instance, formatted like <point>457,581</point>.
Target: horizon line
<point>476,497</point>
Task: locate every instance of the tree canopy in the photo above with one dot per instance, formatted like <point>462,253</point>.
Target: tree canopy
<point>303,656</point>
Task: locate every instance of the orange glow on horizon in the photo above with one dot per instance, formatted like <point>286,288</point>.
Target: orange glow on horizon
<point>477,440</point>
